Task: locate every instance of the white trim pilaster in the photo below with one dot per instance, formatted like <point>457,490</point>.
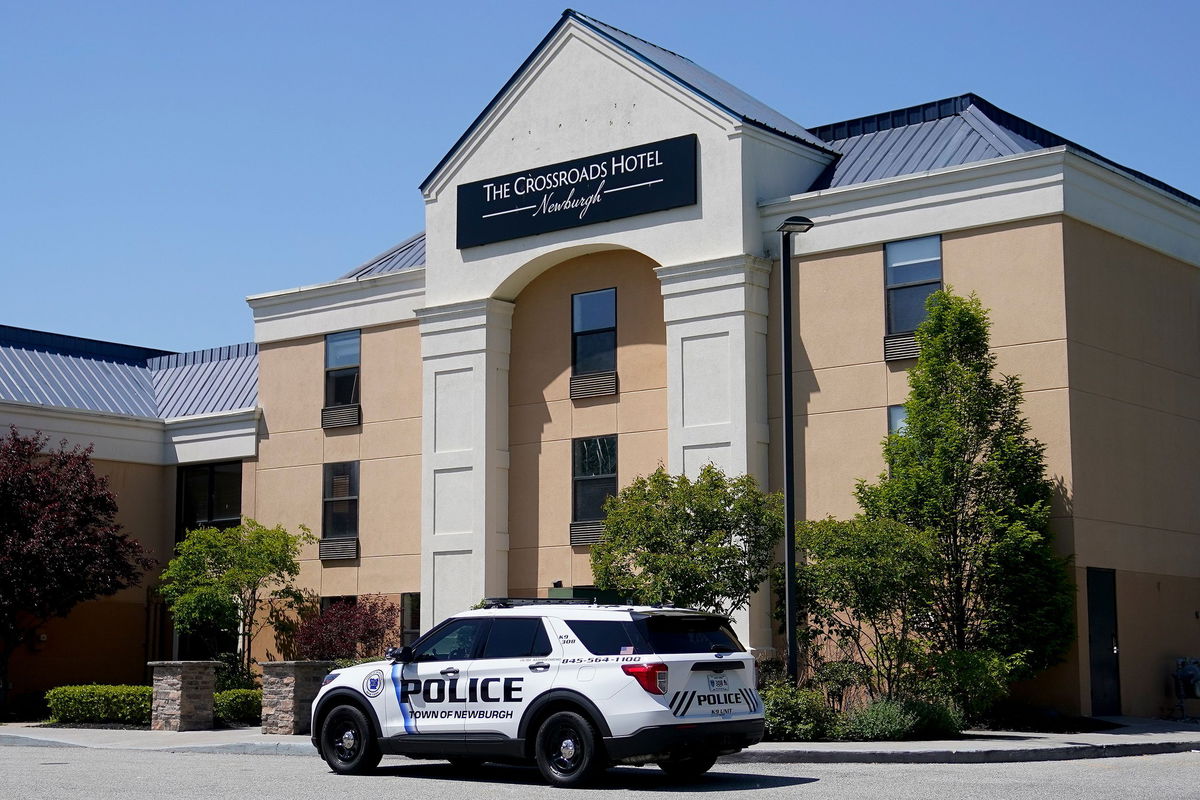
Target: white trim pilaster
<point>464,465</point>
<point>716,317</point>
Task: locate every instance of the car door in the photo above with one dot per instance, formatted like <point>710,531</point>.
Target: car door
<point>517,663</point>
<point>426,691</point>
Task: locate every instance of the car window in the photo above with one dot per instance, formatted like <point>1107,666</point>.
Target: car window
<point>698,634</point>
<point>609,638</point>
<point>454,642</point>
<point>517,638</point>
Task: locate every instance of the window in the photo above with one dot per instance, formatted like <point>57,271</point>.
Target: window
<point>594,476</point>
<point>594,332</point>
<point>341,501</point>
<point>897,417</point>
<point>517,638</point>
<point>410,617</point>
<point>913,272</point>
<point>209,495</point>
<point>454,642</point>
<point>342,354</point>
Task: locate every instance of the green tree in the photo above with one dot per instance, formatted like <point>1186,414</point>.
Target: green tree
<point>228,580</point>
<point>866,586</point>
<point>966,470</point>
<point>707,543</point>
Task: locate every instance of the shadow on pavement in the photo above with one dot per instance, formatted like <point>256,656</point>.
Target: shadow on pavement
<point>645,779</point>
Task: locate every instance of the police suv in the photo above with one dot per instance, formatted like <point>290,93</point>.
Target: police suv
<point>572,687</point>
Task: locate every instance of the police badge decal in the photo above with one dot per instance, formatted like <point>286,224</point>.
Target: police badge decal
<point>373,683</point>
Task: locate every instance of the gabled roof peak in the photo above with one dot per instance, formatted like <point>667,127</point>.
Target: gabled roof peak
<point>676,68</point>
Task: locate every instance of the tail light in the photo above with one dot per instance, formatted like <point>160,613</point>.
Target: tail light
<point>652,677</point>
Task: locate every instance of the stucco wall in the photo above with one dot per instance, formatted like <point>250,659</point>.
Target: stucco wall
<point>1133,320</point>
<point>543,419</point>
<point>286,484</point>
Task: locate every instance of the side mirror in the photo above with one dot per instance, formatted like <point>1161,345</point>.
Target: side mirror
<point>399,655</point>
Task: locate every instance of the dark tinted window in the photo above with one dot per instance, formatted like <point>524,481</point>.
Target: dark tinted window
<point>594,471</point>
<point>913,271</point>
<point>594,331</point>
<point>517,638</point>
<point>454,642</point>
<point>604,638</point>
<point>673,634</point>
<point>341,500</point>
<point>342,356</point>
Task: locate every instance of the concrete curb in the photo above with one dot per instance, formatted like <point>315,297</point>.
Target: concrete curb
<point>992,756</point>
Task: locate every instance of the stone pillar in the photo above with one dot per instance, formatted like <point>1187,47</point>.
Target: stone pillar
<point>183,695</point>
<point>289,688</point>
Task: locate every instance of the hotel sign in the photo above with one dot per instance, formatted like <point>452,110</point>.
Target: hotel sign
<point>623,183</point>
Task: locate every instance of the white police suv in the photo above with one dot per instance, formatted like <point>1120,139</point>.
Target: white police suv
<point>572,687</point>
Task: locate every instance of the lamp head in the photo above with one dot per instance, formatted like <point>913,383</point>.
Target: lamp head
<point>796,225</point>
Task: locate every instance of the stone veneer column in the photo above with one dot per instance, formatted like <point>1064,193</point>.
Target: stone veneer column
<point>289,688</point>
<point>464,455</point>
<point>183,695</point>
<point>716,316</point>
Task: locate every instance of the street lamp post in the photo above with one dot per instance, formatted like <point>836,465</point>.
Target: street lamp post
<point>790,226</point>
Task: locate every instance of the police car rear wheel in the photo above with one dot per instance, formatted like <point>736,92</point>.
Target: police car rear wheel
<point>567,749</point>
<point>348,743</point>
<point>690,766</point>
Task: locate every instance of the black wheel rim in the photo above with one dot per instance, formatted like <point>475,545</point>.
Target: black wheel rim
<point>565,750</point>
<point>346,740</point>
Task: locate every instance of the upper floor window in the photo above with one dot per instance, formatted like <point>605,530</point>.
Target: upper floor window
<point>340,518</point>
<point>594,476</point>
<point>897,418</point>
<point>342,355</point>
<point>914,271</point>
<point>594,332</point>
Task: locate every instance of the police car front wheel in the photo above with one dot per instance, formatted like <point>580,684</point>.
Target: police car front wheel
<point>348,742</point>
<point>567,749</point>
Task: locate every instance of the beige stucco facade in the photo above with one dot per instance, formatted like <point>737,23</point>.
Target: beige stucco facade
<point>284,485</point>
<point>543,419</point>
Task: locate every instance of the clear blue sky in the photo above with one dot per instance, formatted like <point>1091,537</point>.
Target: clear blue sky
<point>159,161</point>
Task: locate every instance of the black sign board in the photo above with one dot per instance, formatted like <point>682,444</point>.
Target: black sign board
<point>635,180</point>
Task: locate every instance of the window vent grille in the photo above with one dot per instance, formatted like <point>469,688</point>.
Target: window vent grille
<point>584,533</point>
<point>900,346</point>
<point>341,416</point>
<point>597,384</point>
<point>338,549</point>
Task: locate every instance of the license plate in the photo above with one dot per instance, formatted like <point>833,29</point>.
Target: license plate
<point>718,682</point>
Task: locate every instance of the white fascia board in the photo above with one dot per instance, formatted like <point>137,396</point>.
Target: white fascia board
<point>225,436</point>
<point>1025,186</point>
<point>1009,189</point>
<point>1131,208</point>
<point>337,306</point>
<point>571,30</point>
<point>114,437</point>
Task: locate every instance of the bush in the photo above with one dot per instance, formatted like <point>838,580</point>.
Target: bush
<point>349,630</point>
<point>895,720</point>
<point>232,673</point>
<point>95,703</point>
<point>238,706</point>
<point>976,679</point>
<point>796,715</point>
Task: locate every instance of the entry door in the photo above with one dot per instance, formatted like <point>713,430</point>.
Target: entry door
<point>1102,642</point>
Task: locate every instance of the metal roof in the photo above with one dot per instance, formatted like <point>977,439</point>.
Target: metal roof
<point>680,70</point>
<point>944,133</point>
<point>406,255</point>
<point>700,81</point>
<point>206,381</point>
<point>68,372</point>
